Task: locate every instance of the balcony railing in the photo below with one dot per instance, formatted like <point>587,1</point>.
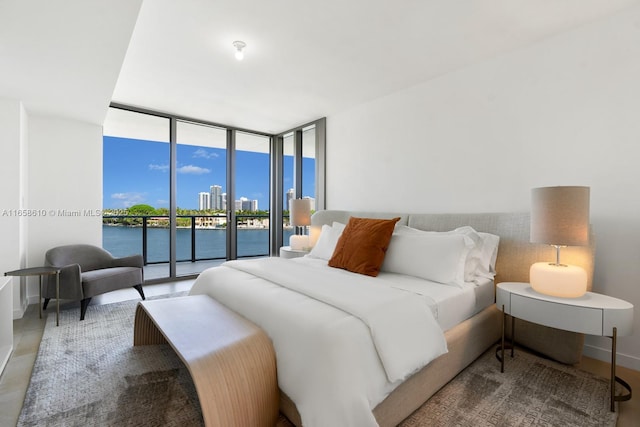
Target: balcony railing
<point>198,237</point>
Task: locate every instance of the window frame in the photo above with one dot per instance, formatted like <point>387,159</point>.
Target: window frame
<point>276,196</point>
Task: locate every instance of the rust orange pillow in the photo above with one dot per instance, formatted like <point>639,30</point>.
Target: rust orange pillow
<point>363,245</point>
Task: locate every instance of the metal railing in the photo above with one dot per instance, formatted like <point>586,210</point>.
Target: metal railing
<point>195,222</point>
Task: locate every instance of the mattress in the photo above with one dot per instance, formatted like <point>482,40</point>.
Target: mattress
<point>450,305</point>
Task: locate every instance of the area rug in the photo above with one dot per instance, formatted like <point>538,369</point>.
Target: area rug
<point>89,374</point>
<point>531,392</point>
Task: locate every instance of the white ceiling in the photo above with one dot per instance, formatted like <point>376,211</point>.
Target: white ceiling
<point>304,60</point>
<point>63,58</point>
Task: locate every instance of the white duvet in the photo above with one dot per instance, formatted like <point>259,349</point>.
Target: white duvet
<point>343,341</point>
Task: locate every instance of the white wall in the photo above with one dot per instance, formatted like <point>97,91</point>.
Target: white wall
<point>65,62</point>
<point>65,183</point>
<point>53,167</point>
<point>565,111</point>
<point>13,120</point>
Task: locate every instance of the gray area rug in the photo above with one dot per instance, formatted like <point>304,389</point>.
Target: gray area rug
<point>531,392</point>
<point>89,374</point>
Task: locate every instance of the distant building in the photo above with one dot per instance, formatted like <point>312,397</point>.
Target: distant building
<point>290,195</point>
<point>246,205</point>
<point>204,201</point>
<point>216,197</point>
<point>223,199</point>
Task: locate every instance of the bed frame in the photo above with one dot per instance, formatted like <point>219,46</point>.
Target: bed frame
<point>471,338</point>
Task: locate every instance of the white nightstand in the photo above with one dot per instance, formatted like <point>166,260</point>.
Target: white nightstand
<point>287,252</point>
<point>592,314</point>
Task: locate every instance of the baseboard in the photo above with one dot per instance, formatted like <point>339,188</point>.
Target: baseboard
<point>604,354</point>
<point>18,312</point>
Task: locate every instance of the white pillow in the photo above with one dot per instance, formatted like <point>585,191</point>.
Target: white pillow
<point>439,257</point>
<point>327,241</point>
<point>338,225</point>
<point>489,253</point>
<point>475,258</point>
<point>481,259</point>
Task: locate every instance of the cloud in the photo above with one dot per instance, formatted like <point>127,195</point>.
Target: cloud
<point>163,168</point>
<point>128,199</point>
<point>188,169</point>
<point>204,154</point>
<point>193,170</point>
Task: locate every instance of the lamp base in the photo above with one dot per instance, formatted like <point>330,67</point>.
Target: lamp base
<point>558,280</point>
<point>299,242</point>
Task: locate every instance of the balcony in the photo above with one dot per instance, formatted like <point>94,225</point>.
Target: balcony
<point>200,240</point>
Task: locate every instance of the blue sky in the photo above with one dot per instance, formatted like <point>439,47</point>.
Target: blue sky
<point>137,171</point>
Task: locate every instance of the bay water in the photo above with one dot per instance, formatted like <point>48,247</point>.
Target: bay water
<point>210,243</point>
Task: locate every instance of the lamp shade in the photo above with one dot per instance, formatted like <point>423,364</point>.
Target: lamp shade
<point>560,216</point>
<point>300,212</point>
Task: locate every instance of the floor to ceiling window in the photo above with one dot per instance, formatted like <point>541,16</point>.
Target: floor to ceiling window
<point>309,165</point>
<point>288,184</point>
<point>201,181</point>
<point>136,188</point>
<point>302,165</point>
<point>189,194</point>
<point>252,154</point>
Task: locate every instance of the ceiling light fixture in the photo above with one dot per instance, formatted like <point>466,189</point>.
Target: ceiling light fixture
<point>239,45</point>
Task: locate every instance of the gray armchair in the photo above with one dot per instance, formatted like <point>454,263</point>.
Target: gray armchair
<point>86,271</point>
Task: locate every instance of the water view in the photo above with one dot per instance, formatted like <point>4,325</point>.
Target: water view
<point>210,243</point>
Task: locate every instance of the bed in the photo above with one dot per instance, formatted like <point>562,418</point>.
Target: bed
<point>375,381</point>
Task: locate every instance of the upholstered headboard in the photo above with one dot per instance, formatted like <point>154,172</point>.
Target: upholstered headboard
<point>515,256</point>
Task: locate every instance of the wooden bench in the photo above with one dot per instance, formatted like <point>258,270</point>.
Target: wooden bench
<point>230,359</point>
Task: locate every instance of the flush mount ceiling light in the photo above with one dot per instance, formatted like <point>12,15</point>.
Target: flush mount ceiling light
<point>239,45</point>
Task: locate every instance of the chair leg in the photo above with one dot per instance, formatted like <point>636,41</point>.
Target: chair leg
<point>83,307</point>
<point>45,303</point>
<point>140,291</point>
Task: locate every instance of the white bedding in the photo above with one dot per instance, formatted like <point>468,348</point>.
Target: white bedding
<point>334,365</point>
<point>452,305</point>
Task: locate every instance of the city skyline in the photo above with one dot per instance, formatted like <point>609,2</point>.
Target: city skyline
<point>137,172</point>
<point>216,200</point>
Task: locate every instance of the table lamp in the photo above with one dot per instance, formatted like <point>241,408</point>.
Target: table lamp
<point>559,217</point>
<point>300,216</point>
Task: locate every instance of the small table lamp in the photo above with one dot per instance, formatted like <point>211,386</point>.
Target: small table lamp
<point>300,216</point>
<point>559,217</point>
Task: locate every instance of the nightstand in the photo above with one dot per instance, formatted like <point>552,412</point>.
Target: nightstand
<point>287,252</point>
<point>592,314</point>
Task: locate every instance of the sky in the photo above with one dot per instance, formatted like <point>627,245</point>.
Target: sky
<point>137,172</point>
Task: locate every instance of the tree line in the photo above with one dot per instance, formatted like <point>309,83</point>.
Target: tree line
<point>131,216</point>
